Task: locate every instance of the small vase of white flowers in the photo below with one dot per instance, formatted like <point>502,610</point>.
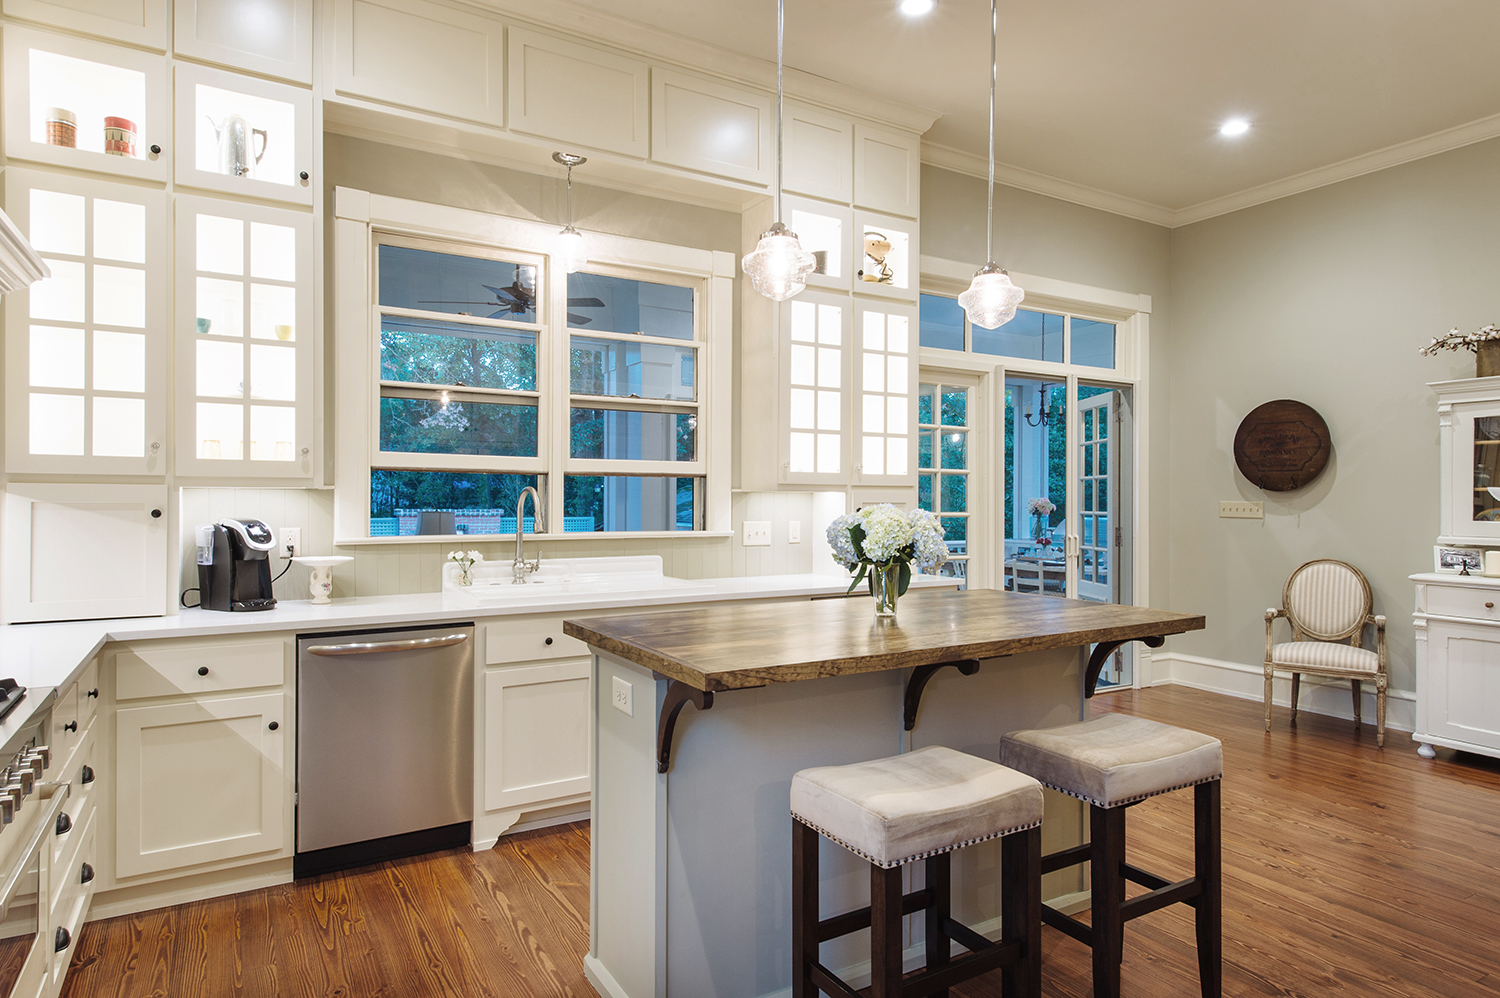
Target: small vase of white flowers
<point>466,560</point>
<point>883,542</point>
<point>1041,510</point>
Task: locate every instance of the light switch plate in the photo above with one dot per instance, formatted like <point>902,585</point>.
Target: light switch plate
<point>1242,510</point>
<point>757,533</point>
<point>794,532</point>
<point>623,698</point>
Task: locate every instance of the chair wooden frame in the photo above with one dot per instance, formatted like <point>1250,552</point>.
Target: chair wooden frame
<point>1354,635</point>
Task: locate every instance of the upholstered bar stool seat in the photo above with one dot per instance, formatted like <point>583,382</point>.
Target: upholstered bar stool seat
<point>921,805</point>
<point>1113,762</point>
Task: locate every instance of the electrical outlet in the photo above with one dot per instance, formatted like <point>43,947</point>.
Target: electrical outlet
<point>1242,510</point>
<point>623,697</point>
<point>757,533</point>
<point>794,532</point>
<point>291,542</point>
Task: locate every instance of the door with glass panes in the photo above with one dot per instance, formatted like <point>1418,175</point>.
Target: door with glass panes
<point>944,456</point>
<point>1098,484</point>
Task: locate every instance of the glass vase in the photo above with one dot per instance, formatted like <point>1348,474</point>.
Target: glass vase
<point>465,574</point>
<point>885,586</point>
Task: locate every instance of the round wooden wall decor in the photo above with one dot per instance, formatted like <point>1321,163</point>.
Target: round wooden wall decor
<point>1282,445</point>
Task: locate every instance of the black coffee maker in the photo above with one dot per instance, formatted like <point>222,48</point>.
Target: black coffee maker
<point>234,567</point>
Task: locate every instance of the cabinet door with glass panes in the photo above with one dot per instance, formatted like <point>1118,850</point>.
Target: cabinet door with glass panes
<point>86,348</point>
<point>244,136</point>
<point>885,384</point>
<point>1470,489</point>
<point>943,464</point>
<point>246,340</point>
<point>86,105</point>
<point>635,458</point>
<point>816,353</point>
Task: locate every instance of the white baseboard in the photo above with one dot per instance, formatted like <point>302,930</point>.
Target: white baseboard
<point>131,901</point>
<point>1320,695</point>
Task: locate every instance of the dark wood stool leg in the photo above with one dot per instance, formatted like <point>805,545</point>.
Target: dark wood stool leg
<point>804,909</point>
<point>1208,870</point>
<point>1107,852</point>
<point>1296,693</point>
<point>1021,911</point>
<point>885,932</point>
<point>940,883</point>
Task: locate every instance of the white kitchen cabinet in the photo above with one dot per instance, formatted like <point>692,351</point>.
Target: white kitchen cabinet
<point>885,394</point>
<point>578,94</point>
<point>816,351</point>
<point>277,162</point>
<point>1469,461</point>
<point>1458,663</point>
<point>271,37</point>
<point>201,781</point>
<point>78,552</point>
<point>886,255</point>
<point>536,738</point>
<point>421,55</point>
<point>887,170</point>
<point>819,157</point>
<point>135,22</point>
<point>246,338</point>
<point>711,127</point>
<point>827,232</point>
<point>86,348</point>
<point>103,88</point>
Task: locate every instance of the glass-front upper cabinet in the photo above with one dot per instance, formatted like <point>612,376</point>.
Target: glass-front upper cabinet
<point>816,353</point>
<point>886,256</point>
<point>825,231</point>
<point>86,105</point>
<point>270,37</point>
<point>86,348</point>
<point>244,136</point>
<point>245,340</point>
<point>885,390</point>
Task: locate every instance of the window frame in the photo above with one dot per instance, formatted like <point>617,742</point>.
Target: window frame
<point>362,218</point>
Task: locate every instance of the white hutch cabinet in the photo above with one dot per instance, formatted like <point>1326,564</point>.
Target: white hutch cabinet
<point>1457,621</point>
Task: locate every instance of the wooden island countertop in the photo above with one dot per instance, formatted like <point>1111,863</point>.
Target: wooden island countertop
<point>739,647</point>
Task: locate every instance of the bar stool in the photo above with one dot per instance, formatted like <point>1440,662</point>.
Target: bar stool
<point>1113,762</point>
<point>920,805</point>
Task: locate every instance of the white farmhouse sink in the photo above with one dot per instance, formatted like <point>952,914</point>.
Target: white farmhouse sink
<point>560,578</point>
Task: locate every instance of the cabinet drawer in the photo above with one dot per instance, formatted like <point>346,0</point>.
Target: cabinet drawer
<point>1461,601</point>
<point>173,670</point>
<point>528,639</point>
<point>88,693</point>
<point>67,871</point>
<point>80,797</point>
<point>63,734</point>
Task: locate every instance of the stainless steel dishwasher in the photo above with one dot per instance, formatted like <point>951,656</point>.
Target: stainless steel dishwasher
<point>385,745</point>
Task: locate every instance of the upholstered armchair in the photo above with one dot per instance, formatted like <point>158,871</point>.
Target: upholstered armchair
<point>1328,603</point>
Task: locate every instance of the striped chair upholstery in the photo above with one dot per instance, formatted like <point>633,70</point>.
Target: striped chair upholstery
<point>1328,604</point>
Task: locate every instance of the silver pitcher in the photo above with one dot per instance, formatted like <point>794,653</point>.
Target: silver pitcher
<point>235,138</point>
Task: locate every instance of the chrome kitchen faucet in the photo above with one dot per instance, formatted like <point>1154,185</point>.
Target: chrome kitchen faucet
<point>521,568</point>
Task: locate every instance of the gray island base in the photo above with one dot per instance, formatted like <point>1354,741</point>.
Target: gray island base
<point>691,868</point>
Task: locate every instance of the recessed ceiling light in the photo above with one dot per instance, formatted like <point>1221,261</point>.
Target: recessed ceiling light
<point>1234,126</point>
<point>916,8</point>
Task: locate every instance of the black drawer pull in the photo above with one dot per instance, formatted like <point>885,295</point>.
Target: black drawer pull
<point>71,726</point>
<point>155,150</point>
<point>61,940</point>
<point>303,174</point>
<point>64,823</point>
<point>85,874</point>
<point>86,775</point>
<point>202,670</point>
<point>156,514</point>
<point>94,692</point>
<point>273,725</point>
<point>548,641</point>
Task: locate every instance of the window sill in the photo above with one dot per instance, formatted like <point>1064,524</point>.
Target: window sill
<point>617,535</point>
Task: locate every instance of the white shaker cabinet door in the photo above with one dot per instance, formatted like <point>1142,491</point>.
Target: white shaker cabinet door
<point>135,22</point>
<point>1462,698</point>
<point>201,782</point>
<point>274,37</point>
<point>536,737</point>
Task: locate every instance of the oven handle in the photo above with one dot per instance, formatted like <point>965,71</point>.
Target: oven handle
<point>375,647</point>
<point>23,858</point>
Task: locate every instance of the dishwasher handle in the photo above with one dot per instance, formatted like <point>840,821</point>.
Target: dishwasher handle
<point>376,647</point>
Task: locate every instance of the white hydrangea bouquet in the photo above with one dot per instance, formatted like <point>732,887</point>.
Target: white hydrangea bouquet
<point>466,560</point>
<point>882,542</point>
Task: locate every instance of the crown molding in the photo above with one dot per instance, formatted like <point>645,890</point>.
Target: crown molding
<point>958,161</point>
<point>597,27</point>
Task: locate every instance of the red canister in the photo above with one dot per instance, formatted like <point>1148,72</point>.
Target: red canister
<point>119,137</point>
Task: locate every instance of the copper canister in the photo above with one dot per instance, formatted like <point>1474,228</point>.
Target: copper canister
<point>62,127</point>
<point>119,137</point>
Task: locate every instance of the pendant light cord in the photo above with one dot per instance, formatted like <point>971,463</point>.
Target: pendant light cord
<point>780,33</point>
<point>989,230</point>
<point>570,196</point>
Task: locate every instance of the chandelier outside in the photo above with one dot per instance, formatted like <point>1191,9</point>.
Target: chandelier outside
<point>991,299</point>
<point>779,266</point>
<point>570,245</point>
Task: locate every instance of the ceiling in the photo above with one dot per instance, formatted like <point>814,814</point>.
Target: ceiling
<point>1126,98</point>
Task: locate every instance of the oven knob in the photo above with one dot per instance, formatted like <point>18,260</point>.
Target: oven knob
<point>45,752</point>
<point>61,940</point>
<point>64,824</point>
<point>36,764</point>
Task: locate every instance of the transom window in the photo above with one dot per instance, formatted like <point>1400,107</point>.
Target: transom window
<point>1053,337</point>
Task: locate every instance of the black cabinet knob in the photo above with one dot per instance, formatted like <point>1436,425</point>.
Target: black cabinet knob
<point>94,692</point>
<point>85,874</point>
<point>64,823</point>
<point>86,775</point>
<point>202,670</point>
<point>273,725</point>
<point>155,150</point>
<point>61,940</point>
<point>156,514</point>
<point>71,726</point>
<point>303,174</point>
<point>549,641</point>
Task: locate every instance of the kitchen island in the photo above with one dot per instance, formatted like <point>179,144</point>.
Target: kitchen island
<point>700,718</point>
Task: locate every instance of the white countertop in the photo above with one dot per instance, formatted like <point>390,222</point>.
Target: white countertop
<point>40,655</point>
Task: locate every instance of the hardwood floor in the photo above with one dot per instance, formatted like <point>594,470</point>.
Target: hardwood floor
<point>1348,871</point>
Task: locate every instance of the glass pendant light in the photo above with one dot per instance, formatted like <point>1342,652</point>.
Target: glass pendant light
<point>779,266</point>
<point>570,246</point>
<point>991,299</point>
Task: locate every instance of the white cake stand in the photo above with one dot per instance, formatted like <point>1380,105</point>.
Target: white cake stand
<point>322,573</point>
